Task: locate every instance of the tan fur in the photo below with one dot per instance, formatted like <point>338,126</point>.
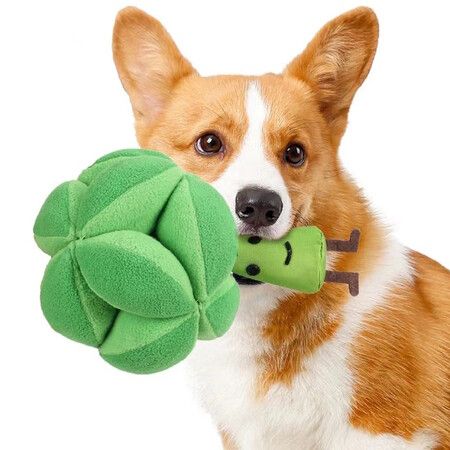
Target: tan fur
<point>227,441</point>
<point>400,360</point>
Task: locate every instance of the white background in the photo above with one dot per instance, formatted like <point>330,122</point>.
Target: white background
<point>62,106</point>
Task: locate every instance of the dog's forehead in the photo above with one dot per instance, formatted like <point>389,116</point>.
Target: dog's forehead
<point>226,90</point>
<point>233,99</point>
<point>284,100</point>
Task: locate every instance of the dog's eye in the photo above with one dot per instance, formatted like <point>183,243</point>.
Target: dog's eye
<point>208,144</point>
<point>295,154</point>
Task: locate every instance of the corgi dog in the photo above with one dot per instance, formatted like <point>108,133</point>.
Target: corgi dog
<point>323,371</point>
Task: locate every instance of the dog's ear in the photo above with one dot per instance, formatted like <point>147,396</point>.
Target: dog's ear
<point>336,62</point>
<point>148,61</point>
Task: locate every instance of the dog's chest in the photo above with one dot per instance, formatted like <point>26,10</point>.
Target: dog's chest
<point>226,374</point>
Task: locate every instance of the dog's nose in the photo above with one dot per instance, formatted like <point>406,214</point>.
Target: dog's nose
<point>258,207</point>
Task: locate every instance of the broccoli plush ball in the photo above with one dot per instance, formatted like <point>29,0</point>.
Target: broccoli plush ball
<point>141,260</point>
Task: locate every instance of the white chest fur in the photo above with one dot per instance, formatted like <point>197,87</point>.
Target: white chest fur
<point>313,412</point>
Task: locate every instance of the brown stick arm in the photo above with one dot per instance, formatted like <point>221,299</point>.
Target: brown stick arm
<point>337,245</point>
<point>349,278</point>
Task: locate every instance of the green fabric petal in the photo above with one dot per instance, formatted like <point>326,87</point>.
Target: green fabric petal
<point>54,226</point>
<point>142,345</point>
<point>135,273</point>
<point>117,181</point>
<point>114,158</point>
<point>137,208</point>
<point>70,306</point>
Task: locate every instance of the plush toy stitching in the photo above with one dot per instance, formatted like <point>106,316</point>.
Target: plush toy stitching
<point>204,296</point>
<point>80,289</point>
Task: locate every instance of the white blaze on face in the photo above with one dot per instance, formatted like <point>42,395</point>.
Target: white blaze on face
<point>252,167</point>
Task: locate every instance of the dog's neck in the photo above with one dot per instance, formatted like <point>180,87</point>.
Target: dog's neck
<point>341,212</point>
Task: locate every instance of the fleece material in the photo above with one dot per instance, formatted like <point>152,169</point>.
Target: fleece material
<point>296,261</point>
<point>141,257</point>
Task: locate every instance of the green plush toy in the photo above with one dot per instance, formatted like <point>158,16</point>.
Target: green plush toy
<point>300,259</point>
<point>139,268</point>
<point>142,256</point>
<point>296,261</point>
